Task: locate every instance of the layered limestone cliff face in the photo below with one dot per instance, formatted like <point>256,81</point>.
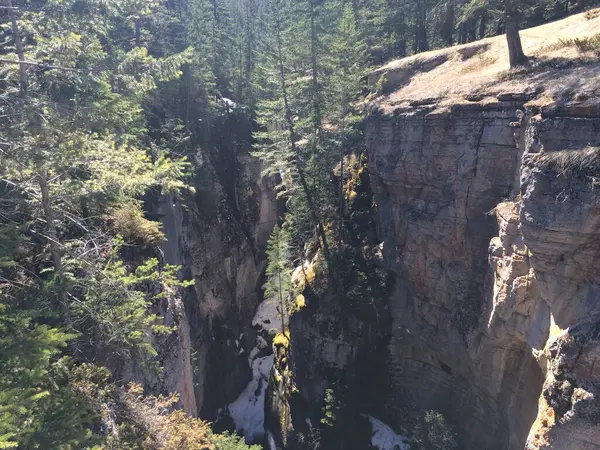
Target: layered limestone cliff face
<point>436,175</point>
<point>489,211</point>
<point>218,235</point>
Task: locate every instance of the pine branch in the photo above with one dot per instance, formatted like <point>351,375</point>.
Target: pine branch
<point>41,65</point>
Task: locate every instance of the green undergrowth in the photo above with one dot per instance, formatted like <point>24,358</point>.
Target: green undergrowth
<point>432,432</point>
<point>362,281</point>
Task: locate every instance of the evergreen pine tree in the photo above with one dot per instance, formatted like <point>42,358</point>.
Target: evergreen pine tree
<point>73,150</point>
<point>346,84</point>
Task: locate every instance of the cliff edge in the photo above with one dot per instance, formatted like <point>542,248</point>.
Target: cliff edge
<point>487,187</point>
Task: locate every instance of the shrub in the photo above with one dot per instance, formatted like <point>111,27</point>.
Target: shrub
<point>585,44</point>
<point>282,339</point>
<point>362,281</point>
<point>592,14</point>
<point>128,220</point>
<point>228,441</point>
<point>154,423</point>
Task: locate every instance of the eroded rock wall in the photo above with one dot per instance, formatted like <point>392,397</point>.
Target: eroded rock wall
<point>436,175</point>
<point>218,236</point>
<point>560,225</point>
<point>496,254</point>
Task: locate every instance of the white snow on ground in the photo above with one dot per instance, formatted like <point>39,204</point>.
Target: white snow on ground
<point>248,410</point>
<point>384,438</point>
<point>228,102</point>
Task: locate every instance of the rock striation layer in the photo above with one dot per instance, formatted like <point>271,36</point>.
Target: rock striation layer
<point>489,211</point>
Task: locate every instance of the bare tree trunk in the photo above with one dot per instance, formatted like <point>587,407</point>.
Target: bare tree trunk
<point>317,119</point>
<point>448,24</point>
<point>138,32</point>
<point>138,44</point>
<point>561,9</point>
<point>282,306</point>
<point>249,41</point>
<point>18,48</point>
<point>462,33</point>
<point>401,48</point>
<point>49,217</point>
<point>317,124</point>
<point>401,31</point>
<point>421,44</point>
<point>25,63</point>
<point>515,48</point>
<point>342,189</point>
<point>472,31</point>
<point>52,235</point>
<point>482,25</point>
<point>42,175</point>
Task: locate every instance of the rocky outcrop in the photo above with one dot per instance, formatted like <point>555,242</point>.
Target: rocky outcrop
<point>513,332</point>
<point>339,339</point>
<point>487,210</point>
<point>560,223</point>
<point>491,313</point>
<point>174,354</point>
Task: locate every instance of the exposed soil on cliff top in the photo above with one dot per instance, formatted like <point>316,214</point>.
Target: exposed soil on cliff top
<point>565,66</point>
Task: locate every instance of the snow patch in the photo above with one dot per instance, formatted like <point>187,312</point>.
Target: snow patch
<point>261,343</point>
<point>266,315</point>
<point>248,410</point>
<point>228,102</point>
<point>384,438</point>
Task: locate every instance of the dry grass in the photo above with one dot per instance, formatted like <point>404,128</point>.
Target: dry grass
<point>584,162</point>
<point>164,426</point>
<point>482,61</point>
<point>585,44</point>
<point>482,67</point>
<point>543,99</point>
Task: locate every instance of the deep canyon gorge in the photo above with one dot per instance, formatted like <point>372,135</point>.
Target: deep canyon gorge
<point>300,224</point>
<point>486,200</point>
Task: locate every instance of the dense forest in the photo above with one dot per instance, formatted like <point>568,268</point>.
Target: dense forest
<point>103,107</point>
